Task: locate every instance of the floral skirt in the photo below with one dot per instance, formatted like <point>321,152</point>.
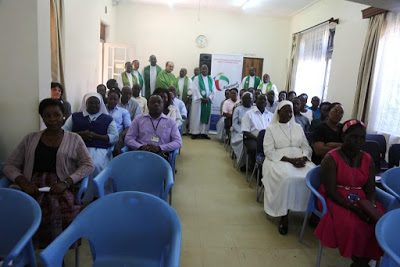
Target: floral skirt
<point>58,211</point>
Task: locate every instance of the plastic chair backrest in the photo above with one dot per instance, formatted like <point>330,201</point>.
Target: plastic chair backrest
<point>260,143</point>
<point>372,148</point>
<point>131,227</point>
<point>391,181</point>
<point>388,236</point>
<point>139,171</point>
<point>313,181</point>
<point>394,155</point>
<point>20,219</point>
<point>388,201</point>
<point>381,140</point>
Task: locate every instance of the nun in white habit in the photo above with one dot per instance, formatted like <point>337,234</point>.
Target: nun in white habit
<point>287,161</point>
<point>99,132</point>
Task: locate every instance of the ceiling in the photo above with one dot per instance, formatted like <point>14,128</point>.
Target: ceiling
<point>393,5</point>
<point>279,8</point>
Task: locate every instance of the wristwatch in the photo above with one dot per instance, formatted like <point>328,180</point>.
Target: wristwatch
<point>66,183</point>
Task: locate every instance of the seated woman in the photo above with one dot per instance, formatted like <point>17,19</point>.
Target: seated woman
<point>327,135</point>
<point>99,132</point>
<point>348,174</point>
<point>221,122</point>
<point>50,158</point>
<point>57,92</point>
<point>121,117</point>
<point>237,134</point>
<point>287,161</point>
<point>169,109</point>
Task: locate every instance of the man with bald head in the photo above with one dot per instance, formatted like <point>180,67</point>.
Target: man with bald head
<point>251,81</point>
<point>196,72</point>
<point>128,103</point>
<point>154,132</point>
<point>127,78</point>
<point>150,73</point>
<point>165,78</point>
<point>203,94</point>
<point>267,86</point>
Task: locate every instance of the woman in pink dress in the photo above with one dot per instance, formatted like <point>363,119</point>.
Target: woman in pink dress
<point>348,175</point>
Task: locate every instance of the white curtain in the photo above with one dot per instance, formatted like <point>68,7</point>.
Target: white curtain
<point>310,65</point>
<point>385,100</point>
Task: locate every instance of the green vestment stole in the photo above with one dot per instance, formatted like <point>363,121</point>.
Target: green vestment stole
<point>165,80</point>
<point>269,87</point>
<point>146,73</point>
<point>125,80</point>
<point>194,76</point>
<point>140,78</point>
<point>184,90</point>
<point>205,107</point>
<point>257,81</point>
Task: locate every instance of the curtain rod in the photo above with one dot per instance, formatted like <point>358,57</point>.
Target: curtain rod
<point>329,20</point>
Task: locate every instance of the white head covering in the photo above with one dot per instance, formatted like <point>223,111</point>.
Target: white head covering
<point>275,117</point>
<point>248,93</point>
<point>102,110</point>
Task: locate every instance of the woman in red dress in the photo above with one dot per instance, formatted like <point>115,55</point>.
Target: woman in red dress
<point>348,175</point>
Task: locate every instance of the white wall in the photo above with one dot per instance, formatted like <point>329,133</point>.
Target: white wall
<point>25,68</point>
<point>82,37</point>
<point>170,35</point>
<point>349,42</point>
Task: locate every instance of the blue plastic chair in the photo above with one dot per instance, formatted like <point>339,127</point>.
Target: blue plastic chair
<point>137,171</point>
<point>391,181</point>
<point>388,237</point>
<point>123,229</point>
<point>394,155</point>
<point>381,140</point>
<point>20,219</point>
<point>372,148</point>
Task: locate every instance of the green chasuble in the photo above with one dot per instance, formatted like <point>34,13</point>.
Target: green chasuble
<point>269,87</point>
<point>185,87</point>
<point>165,80</point>
<point>125,79</point>
<point>146,73</point>
<point>257,81</point>
<point>205,107</point>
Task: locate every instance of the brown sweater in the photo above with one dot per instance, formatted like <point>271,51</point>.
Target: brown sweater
<point>73,158</point>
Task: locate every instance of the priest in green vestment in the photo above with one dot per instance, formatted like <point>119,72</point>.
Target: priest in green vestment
<point>127,78</point>
<point>135,71</point>
<point>196,72</point>
<point>150,73</point>
<point>203,94</point>
<point>184,85</point>
<point>251,81</point>
<point>267,86</point>
<point>165,78</point>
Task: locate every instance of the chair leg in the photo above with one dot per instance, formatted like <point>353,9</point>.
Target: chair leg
<point>252,174</point>
<point>247,168</point>
<point>240,159</point>
<point>170,197</point>
<point>319,254</point>
<point>303,227</point>
<point>77,257</point>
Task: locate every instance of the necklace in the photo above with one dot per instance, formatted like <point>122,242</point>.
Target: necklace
<point>290,133</point>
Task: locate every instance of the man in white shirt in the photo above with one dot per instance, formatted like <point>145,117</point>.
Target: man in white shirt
<point>135,71</point>
<point>184,85</point>
<point>251,81</point>
<point>253,122</point>
<point>140,99</point>
<point>203,94</point>
<point>272,104</point>
<point>150,73</point>
<point>127,78</point>
<point>178,103</point>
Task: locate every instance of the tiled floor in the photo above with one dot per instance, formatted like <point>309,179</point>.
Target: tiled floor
<point>222,223</point>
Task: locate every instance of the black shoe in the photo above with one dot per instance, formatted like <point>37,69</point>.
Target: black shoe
<point>195,136</point>
<point>243,169</point>
<point>283,229</point>
<point>205,136</point>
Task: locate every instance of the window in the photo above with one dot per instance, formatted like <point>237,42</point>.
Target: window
<point>313,62</point>
<point>385,98</point>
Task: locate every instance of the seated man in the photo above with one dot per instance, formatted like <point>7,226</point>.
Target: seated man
<point>300,118</point>
<point>126,102</point>
<point>271,103</point>
<point>227,109</point>
<point>142,101</point>
<point>323,108</point>
<point>178,103</point>
<point>154,132</point>
<point>253,122</point>
<point>315,107</point>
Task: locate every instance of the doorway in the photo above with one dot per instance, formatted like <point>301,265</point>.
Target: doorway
<point>252,62</point>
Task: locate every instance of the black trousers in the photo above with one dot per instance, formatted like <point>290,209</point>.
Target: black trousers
<point>251,147</point>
